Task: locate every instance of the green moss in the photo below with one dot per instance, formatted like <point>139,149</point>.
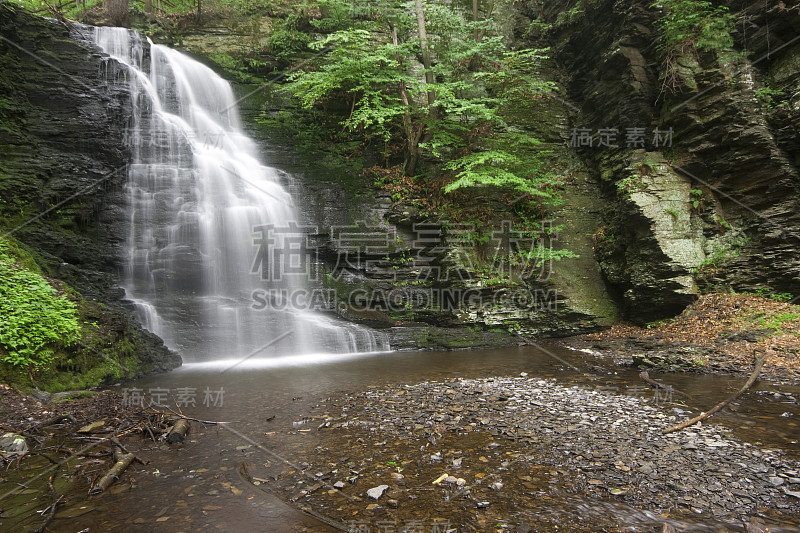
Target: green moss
<point>74,395</point>
<point>776,321</point>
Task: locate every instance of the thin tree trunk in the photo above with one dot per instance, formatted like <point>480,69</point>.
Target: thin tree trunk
<point>412,136</point>
<point>475,19</point>
<point>426,56</point>
<point>430,79</point>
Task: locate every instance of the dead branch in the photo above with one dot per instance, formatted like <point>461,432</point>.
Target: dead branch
<point>51,509</point>
<point>723,404</point>
<point>54,420</point>
<point>188,417</point>
<point>116,442</point>
<point>645,375</point>
<point>123,461</point>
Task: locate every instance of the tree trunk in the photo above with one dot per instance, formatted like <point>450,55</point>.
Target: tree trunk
<point>475,19</point>
<point>117,12</point>
<point>412,137</point>
<point>426,56</point>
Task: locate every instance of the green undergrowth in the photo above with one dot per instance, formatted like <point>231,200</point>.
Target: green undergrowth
<point>53,339</point>
<point>36,316</point>
<point>782,322</point>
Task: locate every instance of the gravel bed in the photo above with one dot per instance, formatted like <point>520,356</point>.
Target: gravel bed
<point>604,446</point>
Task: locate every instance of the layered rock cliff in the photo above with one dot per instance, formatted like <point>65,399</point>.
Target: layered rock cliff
<point>62,173</point>
<point>699,173</point>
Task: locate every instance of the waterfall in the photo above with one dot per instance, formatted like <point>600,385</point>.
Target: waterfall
<point>198,199</point>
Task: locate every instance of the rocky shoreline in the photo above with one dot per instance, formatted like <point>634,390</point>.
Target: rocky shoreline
<point>527,454</point>
<point>719,333</point>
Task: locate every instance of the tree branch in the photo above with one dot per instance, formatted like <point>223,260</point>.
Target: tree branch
<point>723,404</point>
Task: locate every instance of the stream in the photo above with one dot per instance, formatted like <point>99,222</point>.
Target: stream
<point>270,404</point>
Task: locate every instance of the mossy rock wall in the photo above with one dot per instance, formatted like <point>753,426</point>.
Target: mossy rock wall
<point>63,167</point>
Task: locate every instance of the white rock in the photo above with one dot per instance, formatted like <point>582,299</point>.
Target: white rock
<point>376,492</point>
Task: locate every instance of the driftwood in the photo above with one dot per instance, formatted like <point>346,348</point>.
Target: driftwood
<point>645,375</point>
<point>723,404</point>
<point>179,431</point>
<point>123,461</point>
<point>56,420</point>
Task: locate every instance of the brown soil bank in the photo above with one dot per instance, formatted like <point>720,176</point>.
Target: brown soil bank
<point>718,333</point>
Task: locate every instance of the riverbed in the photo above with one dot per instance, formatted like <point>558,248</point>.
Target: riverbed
<point>557,440</point>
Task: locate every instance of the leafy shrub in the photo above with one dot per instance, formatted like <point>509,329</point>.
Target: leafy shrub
<point>34,317</point>
<point>697,23</point>
<point>687,26</point>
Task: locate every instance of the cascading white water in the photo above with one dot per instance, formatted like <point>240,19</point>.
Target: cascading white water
<point>197,193</point>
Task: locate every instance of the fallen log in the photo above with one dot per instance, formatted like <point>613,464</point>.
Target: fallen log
<point>723,404</point>
<point>123,461</point>
<point>56,420</point>
<point>645,375</point>
<point>179,431</point>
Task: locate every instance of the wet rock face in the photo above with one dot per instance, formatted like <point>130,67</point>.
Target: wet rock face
<point>63,163</point>
<point>69,156</point>
<point>718,207</point>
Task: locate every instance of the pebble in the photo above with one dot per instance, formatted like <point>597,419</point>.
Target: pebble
<point>376,492</point>
<point>595,439</point>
